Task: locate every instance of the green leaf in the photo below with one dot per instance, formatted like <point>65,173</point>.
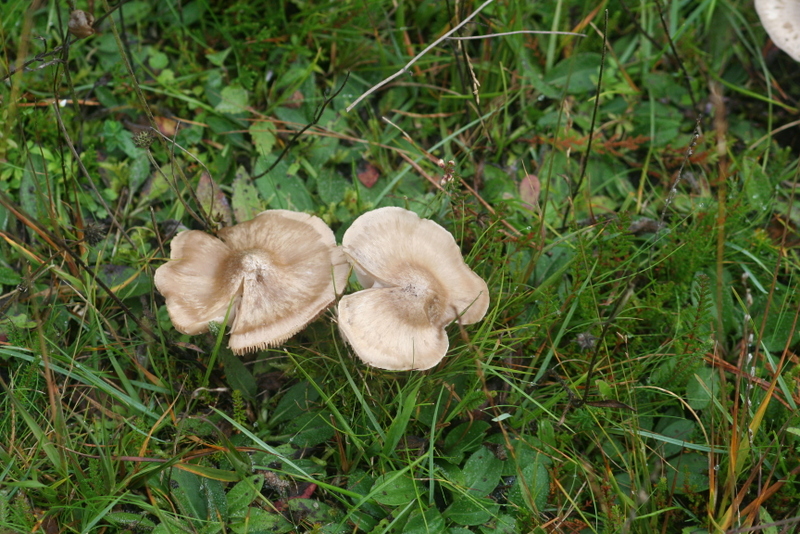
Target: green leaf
<point>313,511</point>
<point>263,136</point>
<point>218,58</point>
<point>428,522</point>
<point>468,511</point>
<point>281,189</point>
<point>330,186</point>
<point>9,277</point>
<point>129,521</point>
<point>482,472</point>
<point>186,492</point>
<point>158,60</point>
<point>294,402</point>
<point>395,488</point>
<point>311,428</point>
<point>688,473</point>
<point>245,199</point>
<point>233,100</point>
<point>701,387</point>
<point>464,438</point>
<point>33,188</point>
<point>242,494</point>
<point>238,375</point>
<point>534,483</point>
<point>579,71</point>
<point>258,521</point>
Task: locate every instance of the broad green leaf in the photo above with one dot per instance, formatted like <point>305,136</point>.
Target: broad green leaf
<point>310,428</point>
<point>701,388</point>
<point>233,99</point>
<point>464,438</point>
<point>534,484</point>
<point>313,511</point>
<point>395,488</point>
<point>688,473</point>
<point>285,191</point>
<point>482,472</point>
<point>238,375</point>
<point>579,72</point>
<point>258,521</point>
<point>33,189</point>
<point>263,136</point>
<point>242,494</point>
<point>294,402</point>
<point>428,522</point>
<point>330,186</point>
<point>245,199</point>
<point>467,510</point>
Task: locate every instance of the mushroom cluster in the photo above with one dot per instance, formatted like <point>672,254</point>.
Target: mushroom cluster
<point>415,283</point>
<point>275,273</point>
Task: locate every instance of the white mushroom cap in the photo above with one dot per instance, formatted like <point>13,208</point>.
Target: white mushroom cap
<point>277,272</point>
<point>781,19</point>
<point>416,283</point>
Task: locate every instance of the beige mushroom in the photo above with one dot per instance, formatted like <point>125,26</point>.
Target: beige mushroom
<point>781,20</point>
<point>80,24</point>
<point>415,283</point>
<point>276,273</point>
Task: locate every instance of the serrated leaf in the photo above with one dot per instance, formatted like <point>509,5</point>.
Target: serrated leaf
<point>245,199</point>
<point>263,135</point>
<point>233,100</point>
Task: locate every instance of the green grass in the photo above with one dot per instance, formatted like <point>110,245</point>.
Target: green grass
<point>637,370</point>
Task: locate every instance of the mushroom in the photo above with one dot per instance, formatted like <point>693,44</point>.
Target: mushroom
<point>415,283</point>
<point>781,19</point>
<point>276,273</point>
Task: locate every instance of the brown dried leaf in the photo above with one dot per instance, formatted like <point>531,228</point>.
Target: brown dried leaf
<point>80,24</point>
<point>213,200</point>
<point>368,174</point>
<point>529,189</point>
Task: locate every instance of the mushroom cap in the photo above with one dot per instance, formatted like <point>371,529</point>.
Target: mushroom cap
<point>416,283</point>
<point>387,328</point>
<point>277,272</point>
<point>781,20</point>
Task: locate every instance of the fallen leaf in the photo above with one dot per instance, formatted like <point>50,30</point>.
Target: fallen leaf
<point>368,174</point>
<point>529,189</point>
<point>213,200</point>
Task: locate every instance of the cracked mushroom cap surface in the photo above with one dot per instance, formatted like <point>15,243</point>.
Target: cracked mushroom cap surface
<point>781,20</point>
<point>415,283</point>
<point>276,272</point>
